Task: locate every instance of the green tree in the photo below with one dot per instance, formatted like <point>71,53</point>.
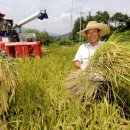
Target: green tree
<point>45,38</point>
<point>102,16</point>
<point>89,18</point>
<point>119,20</point>
<point>128,23</point>
<point>76,28</point>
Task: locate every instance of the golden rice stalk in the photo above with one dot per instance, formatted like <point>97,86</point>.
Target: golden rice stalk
<point>112,61</point>
<point>8,78</point>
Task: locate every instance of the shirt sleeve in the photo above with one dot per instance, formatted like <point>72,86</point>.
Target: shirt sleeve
<point>78,55</point>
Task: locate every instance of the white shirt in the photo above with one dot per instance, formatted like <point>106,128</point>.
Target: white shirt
<point>85,51</point>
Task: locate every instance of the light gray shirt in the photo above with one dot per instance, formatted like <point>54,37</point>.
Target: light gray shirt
<point>85,51</point>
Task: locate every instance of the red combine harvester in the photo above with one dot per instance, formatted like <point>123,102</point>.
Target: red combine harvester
<point>21,45</point>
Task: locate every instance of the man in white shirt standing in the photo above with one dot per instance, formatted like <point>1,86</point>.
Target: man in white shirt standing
<point>93,32</point>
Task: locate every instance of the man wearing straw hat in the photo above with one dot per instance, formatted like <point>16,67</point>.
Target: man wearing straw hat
<point>93,32</point>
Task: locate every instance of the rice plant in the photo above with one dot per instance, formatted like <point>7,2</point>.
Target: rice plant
<point>8,79</point>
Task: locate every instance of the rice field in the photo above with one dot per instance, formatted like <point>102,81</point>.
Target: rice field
<point>42,102</point>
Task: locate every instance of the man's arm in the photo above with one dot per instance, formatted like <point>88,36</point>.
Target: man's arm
<point>82,66</point>
<point>77,64</point>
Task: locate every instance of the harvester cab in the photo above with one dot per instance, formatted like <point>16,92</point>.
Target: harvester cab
<point>18,44</point>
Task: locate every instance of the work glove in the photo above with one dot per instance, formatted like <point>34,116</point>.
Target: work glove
<point>83,67</point>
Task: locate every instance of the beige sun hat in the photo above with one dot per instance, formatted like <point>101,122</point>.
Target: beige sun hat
<point>104,29</point>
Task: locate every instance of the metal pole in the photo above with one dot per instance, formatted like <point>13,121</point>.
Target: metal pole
<point>80,28</point>
<point>30,18</point>
<point>71,18</point>
<point>80,37</point>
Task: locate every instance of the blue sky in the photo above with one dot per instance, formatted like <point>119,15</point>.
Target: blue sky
<point>59,11</point>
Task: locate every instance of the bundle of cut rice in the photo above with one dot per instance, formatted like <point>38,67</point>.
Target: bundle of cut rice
<point>76,82</point>
<point>112,61</point>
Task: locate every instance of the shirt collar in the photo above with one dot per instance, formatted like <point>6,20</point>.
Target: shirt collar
<point>99,43</point>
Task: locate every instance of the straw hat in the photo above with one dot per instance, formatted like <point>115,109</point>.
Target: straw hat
<point>2,15</point>
<point>103,28</point>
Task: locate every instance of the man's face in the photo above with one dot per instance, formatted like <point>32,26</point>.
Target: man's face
<point>93,36</point>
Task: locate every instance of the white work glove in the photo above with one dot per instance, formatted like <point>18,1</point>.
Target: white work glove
<point>95,77</point>
<point>83,67</point>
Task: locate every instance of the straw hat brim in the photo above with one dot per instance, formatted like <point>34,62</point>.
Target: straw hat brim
<point>103,29</point>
